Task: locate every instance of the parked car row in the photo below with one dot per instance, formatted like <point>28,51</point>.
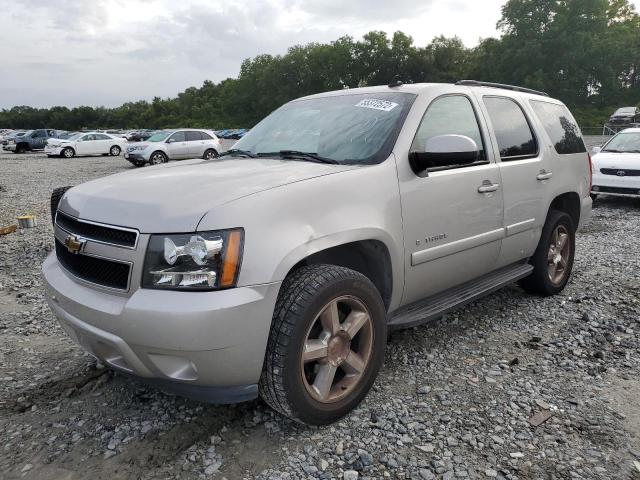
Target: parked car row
<point>92,143</point>
<point>625,117</point>
<point>234,134</point>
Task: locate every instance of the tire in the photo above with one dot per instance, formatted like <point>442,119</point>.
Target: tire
<point>138,164</point>
<point>287,383</point>
<point>68,153</point>
<point>21,148</point>
<point>542,281</point>
<point>157,158</point>
<point>56,196</point>
<point>210,154</point>
<point>115,150</point>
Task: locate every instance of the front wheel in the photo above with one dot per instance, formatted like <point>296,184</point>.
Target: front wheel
<point>68,152</point>
<point>114,151</point>
<point>553,259</point>
<point>157,158</point>
<point>326,344</point>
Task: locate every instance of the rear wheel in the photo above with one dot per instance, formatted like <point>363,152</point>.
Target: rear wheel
<point>114,151</point>
<point>326,344</point>
<point>210,154</point>
<point>157,158</point>
<point>553,259</point>
<point>68,152</point>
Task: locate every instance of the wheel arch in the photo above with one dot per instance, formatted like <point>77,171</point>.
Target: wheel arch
<point>370,257</point>
<point>569,203</point>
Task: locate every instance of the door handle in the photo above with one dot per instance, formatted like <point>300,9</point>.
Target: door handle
<point>544,175</point>
<point>488,187</point>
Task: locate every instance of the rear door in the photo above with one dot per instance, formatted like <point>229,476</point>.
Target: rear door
<point>452,214</point>
<point>196,144</point>
<point>526,174</point>
<point>103,143</point>
<point>177,146</point>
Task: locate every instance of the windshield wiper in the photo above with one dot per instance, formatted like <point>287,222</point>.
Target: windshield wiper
<point>238,153</point>
<point>307,156</point>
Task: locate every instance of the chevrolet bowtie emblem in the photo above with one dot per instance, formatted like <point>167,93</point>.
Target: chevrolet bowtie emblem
<point>74,243</point>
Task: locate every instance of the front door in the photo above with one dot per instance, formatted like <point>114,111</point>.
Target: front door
<point>452,214</point>
<point>38,139</point>
<point>177,146</point>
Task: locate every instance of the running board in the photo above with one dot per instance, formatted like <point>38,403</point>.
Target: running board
<point>434,307</point>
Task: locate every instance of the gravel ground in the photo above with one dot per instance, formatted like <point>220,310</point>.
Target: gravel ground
<point>512,386</point>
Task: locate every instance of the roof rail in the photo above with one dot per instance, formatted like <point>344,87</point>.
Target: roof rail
<point>476,83</point>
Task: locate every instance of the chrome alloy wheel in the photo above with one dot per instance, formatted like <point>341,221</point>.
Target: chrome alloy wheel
<point>337,349</point>
<point>156,159</point>
<point>558,254</point>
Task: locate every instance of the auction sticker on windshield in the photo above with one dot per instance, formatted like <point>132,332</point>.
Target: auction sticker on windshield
<point>375,104</point>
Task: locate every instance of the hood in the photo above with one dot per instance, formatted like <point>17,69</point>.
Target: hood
<point>137,145</point>
<point>57,141</point>
<point>626,161</point>
<point>173,198</point>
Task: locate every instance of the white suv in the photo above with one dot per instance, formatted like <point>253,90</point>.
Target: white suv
<point>174,145</point>
<point>278,268</point>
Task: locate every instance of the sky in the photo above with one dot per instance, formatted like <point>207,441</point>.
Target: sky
<point>107,52</point>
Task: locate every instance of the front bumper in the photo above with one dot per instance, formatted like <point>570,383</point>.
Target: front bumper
<point>50,150</point>
<point>135,156</point>
<point>205,345</point>
<point>621,186</point>
<point>10,147</point>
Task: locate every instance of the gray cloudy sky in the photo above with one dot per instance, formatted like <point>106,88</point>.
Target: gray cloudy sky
<point>106,52</point>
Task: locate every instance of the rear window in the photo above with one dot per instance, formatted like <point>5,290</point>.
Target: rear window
<point>560,126</point>
<point>192,136</point>
<point>514,135</point>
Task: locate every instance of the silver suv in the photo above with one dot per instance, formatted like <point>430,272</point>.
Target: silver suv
<point>174,145</point>
<point>278,269</point>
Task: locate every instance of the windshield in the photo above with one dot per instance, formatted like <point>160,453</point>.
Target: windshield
<point>354,129</point>
<point>157,137</point>
<point>75,136</point>
<point>624,143</point>
<point>626,110</point>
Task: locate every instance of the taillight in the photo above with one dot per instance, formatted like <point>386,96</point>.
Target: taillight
<point>590,172</point>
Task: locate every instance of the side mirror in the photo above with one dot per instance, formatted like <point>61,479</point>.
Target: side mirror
<point>445,151</point>
<point>171,140</point>
<point>596,150</point>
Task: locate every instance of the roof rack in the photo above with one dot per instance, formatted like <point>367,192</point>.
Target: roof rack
<point>476,83</point>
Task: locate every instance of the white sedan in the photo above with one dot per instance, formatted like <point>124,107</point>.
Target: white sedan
<point>616,166</point>
<point>86,143</point>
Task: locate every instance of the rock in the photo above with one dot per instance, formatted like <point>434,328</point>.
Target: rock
<point>490,472</point>
<point>539,418</point>
<point>424,390</point>
<point>27,467</point>
<point>428,448</point>
<point>350,475</point>
<point>542,404</point>
<point>516,455</point>
<point>426,474</point>
<point>323,465</point>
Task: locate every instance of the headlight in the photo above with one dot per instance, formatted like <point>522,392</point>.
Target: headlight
<point>196,261</point>
<point>133,148</point>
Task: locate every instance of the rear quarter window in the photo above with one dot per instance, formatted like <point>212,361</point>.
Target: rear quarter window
<point>560,126</point>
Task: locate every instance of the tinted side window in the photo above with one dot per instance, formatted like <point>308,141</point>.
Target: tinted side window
<point>177,137</point>
<point>450,115</point>
<point>192,136</point>
<point>560,126</point>
<point>514,135</point>
<point>39,134</point>
<point>206,136</point>
<point>100,136</point>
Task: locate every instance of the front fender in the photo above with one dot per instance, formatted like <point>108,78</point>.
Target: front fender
<point>284,225</point>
